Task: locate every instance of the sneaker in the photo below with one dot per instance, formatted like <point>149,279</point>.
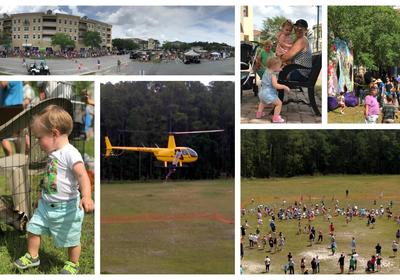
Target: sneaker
<point>277,119</point>
<point>259,115</point>
<point>26,261</point>
<point>70,268</point>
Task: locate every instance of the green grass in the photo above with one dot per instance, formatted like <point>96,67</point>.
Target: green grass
<point>13,245</point>
<point>89,147</point>
<point>363,190</point>
<point>351,115</point>
<point>171,246</point>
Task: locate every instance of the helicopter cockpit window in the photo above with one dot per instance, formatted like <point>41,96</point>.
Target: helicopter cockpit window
<point>185,152</point>
<point>192,152</point>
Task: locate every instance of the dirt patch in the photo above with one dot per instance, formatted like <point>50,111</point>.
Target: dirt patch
<point>250,267</point>
<point>165,218</point>
<point>324,254</point>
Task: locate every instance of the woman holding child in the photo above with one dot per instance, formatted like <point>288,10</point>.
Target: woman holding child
<point>299,53</point>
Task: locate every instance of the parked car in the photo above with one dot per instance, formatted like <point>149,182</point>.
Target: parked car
<point>134,55</point>
<point>41,69</point>
<point>192,59</point>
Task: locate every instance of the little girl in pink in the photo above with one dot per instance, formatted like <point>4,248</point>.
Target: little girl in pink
<point>284,38</point>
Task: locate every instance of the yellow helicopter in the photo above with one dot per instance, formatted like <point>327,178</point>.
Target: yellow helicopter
<point>172,154</point>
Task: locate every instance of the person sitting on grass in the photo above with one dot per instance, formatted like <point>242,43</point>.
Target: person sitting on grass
<point>66,191</point>
<point>389,110</point>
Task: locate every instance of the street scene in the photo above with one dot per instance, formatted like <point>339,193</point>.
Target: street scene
<point>83,40</point>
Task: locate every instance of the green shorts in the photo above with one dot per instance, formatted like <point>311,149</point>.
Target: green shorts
<point>61,220</point>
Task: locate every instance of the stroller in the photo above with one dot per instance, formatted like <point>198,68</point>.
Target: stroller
<point>248,75</point>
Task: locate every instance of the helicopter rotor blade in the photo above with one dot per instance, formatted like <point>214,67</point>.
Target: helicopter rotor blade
<point>196,132</point>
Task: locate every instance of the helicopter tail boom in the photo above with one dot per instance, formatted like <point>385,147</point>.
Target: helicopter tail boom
<point>108,147</point>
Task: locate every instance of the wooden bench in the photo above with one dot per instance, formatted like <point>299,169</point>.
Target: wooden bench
<point>309,83</point>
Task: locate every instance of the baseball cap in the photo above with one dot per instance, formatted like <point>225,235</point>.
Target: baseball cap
<point>301,23</point>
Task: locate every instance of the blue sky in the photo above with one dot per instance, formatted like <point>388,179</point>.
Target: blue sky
<point>309,13</point>
<point>183,23</point>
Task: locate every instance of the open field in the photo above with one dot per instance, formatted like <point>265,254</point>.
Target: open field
<point>174,227</point>
<point>363,190</point>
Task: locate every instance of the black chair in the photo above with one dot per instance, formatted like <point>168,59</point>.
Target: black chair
<point>247,73</point>
<point>309,83</point>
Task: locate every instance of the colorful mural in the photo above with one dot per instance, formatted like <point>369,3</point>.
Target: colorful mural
<point>340,68</point>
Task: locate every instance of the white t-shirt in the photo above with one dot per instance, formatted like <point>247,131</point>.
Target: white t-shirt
<point>59,182</point>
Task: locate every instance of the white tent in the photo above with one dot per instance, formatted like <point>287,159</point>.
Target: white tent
<point>216,54</point>
<point>191,53</point>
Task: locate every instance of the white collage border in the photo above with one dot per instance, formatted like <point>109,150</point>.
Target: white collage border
<point>238,126</point>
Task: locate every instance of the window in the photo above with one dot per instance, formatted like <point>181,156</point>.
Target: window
<point>74,38</point>
<point>19,37</point>
<point>19,21</point>
<point>70,30</point>
<point>38,36</point>
<point>34,20</point>
<point>15,21</point>
<point>15,36</point>
<point>65,21</point>
<point>65,30</point>
<point>34,36</point>
<point>70,22</point>
<point>59,21</point>
<point>38,28</point>
<point>15,29</point>
<point>26,28</point>
<point>38,20</point>
<point>19,29</point>
<point>75,22</point>
<point>34,28</point>
<point>26,36</point>
<point>59,29</point>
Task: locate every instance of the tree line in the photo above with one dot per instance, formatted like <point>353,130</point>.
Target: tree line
<point>287,153</point>
<point>142,114</point>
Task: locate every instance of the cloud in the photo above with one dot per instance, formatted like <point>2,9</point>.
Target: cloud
<point>172,23</point>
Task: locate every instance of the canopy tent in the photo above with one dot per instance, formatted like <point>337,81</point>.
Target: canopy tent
<point>216,54</point>
<point>191,53</point>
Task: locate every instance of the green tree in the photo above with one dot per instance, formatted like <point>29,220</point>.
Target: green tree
<point>271,26</point>
<point>125,44</point>
<point>373,32</point>
<point>92,39</point>
<point>5,39</point>
<point>62,40</point>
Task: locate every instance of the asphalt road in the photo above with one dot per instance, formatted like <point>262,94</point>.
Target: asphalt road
<point>108,66</point>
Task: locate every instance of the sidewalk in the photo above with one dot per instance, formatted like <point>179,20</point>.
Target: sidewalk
<point>292,112</point>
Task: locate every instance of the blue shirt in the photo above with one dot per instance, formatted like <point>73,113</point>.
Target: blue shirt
<point>13,94</point>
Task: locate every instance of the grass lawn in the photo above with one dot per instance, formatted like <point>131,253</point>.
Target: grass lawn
<point>363,190</point>
<point>174,227</point>
<point>13,245</point>
<point>351,115</point>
